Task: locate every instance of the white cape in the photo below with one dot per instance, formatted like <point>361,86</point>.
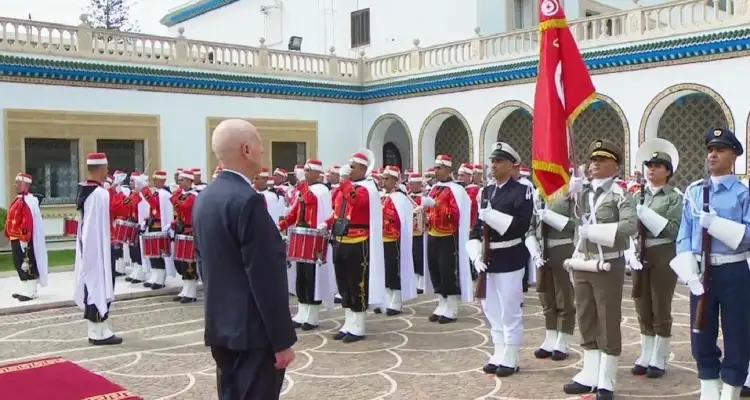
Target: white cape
<point>325,279</point>
<point>93,253</point>
<point>166,211</point>
<point>464,227</point>
<point>38,238</point>
<point>406,216</point>
<point>376,285</point>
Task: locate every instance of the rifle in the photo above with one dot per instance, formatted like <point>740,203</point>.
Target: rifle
<point>480,292</point>
<point>545,274</point>
<point>700,310</point>
<point>638,276</point>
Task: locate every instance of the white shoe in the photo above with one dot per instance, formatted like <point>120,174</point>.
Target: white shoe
<point>301,314</point>
<point>28,288</point>
<point>440,309</point>
<point>647,350</point>
<point>313,315</point>
<point>589,374</point>
<point>550,337</point>
<point>660,355</point>
<point>561,343</point>
<point>710,389</point>
<point>607,372</point>
<point>730,392</point>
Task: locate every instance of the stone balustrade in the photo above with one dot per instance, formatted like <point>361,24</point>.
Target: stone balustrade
<point>636,25</point>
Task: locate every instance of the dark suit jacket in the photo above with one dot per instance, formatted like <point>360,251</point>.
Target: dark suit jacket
<point>243,266</point>
<point>511,199</point>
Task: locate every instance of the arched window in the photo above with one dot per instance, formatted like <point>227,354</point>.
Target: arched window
<point>391,155</point>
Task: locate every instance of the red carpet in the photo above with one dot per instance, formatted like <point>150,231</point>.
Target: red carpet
<point>57,379</point>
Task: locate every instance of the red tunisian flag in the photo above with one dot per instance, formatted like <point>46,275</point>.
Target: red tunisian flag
<point>563,90</point>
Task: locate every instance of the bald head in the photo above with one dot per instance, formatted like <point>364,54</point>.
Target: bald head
<point>229,136</point>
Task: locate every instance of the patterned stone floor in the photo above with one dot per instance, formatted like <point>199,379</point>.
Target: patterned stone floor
<point>405,357</point>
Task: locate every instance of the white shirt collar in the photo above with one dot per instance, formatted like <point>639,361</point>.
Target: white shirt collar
<point>249,182</point>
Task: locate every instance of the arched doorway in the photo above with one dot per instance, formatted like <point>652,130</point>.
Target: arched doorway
<point>390,140</point>
<point>392,155</point>
<point>682,114</point>
<point>509,122</point>
<point>603,119</point>
<point>445,131</point>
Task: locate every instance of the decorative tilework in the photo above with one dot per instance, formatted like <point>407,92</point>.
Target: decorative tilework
<point>671,52</point>
<point>449,146</point>
<point>693,105</point>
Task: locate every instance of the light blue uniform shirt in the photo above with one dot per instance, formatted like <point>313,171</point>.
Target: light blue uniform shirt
<point>729,199</point>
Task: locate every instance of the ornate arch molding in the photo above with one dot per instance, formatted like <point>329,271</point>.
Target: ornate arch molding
<point>394,118</point>
<point>659,104</point>
<point>625,128</point>
<point>497,111</point>
<point>447,112</point>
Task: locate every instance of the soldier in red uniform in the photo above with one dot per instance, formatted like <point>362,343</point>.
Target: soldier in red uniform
<point>356,226</point>
<point>449,221</point>
<point>183,201</point>
<point>419,235</point>
<point>137,211</point>
<point>313,207</point>
<point>119,211</point>
<point>478,178</point>
<point>25,230</point>
<point>397,244</point>
<point>198,183</point>
<point>159,220</point>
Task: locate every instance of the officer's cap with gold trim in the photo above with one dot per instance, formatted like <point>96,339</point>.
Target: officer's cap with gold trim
<point>660,158</point>
<point>605,148</point>
<point>723,138</point>
<point>503,151</point>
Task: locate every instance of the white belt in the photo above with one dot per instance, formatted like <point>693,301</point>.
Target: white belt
<point>720,259</point>
<point>504,245</point>
<point>558,242</point>
<point>608,256</point>
<point>657,241</point>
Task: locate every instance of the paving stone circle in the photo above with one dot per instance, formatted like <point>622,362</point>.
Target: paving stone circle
<point>404,357</point>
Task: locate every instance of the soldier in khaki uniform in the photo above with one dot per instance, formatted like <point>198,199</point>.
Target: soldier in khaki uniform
<point>659,213</point>
<point>554,225</point>
<point>608,221</point>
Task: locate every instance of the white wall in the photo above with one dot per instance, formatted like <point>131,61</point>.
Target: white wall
<point>183,117</point>
<point>325,23</point>
<point>632,98</point>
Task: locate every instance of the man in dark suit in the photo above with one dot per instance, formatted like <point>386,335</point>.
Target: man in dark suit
<point>243,265</point>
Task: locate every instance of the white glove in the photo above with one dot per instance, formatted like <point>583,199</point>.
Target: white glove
<point>120,178</point>
<point>583,231</point>
<point>322,226</point>
<point>541,214</point>
<point>428,201</point>
<point>696,287</point>
<point>635,265</point>
<point>575,185</point>
<point>142,226</point>
<point>24,245</point>
<point>707,218</point>
<point>300,175</point>
<point>140,182</point>
<point>480,266</point>
<point>538,261</point>
<point>639,209</point>
<point>483,213</point>
<point>170,232</point>
<point>345,170</point>
<point>106,185</point>
<point>25,266</point>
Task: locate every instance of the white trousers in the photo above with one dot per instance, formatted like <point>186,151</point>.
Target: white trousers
<point>503,307</point>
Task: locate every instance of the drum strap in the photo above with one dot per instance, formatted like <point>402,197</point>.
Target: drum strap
<point>301,221</point>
